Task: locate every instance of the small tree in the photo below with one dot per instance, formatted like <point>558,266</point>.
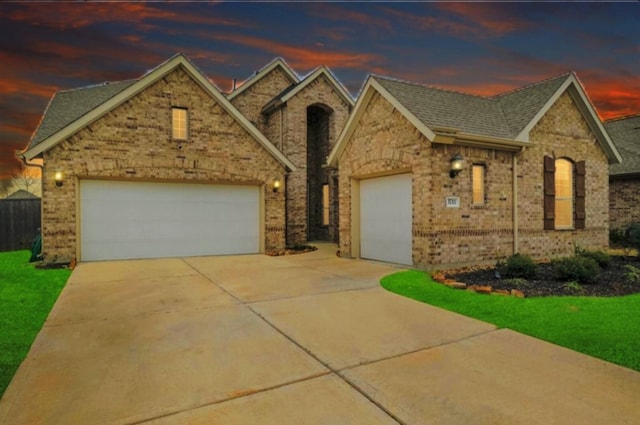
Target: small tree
<point>27,178</point>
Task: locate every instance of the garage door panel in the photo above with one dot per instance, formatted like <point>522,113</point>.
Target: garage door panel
<point>121,220</point>
<point>386,219</point>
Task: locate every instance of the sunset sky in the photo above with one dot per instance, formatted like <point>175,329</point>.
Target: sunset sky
<point>481,48</point>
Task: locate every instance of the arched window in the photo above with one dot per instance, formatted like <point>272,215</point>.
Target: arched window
<point>564,194</point>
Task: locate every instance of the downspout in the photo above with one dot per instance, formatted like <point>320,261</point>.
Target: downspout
<point>22,158</point>
<point>515,200</point>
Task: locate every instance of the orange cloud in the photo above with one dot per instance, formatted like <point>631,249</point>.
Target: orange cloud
<point>304,57</point>
<point>74,15</point>
<point>483,18</point>
<point>336,13</point>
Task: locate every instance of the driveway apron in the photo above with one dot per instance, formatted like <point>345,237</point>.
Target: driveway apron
<point>301,339</point>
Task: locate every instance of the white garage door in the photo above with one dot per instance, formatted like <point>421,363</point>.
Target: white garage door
<point>386,218</point>
<point>123,220</point>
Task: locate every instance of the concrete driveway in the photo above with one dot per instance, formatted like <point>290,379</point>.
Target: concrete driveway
<point>306,339</point>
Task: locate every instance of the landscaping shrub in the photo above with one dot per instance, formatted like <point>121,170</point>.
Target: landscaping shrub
<point>515,282</point>
<point>577,269</point>
<point>632,273</point>
<point>600,257</point>
<point>616,237</point>
<point>632,235</point>
<point>521,266</point>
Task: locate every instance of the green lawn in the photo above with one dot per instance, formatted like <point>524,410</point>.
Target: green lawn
<point>608,328</point>
<point>26,297</point>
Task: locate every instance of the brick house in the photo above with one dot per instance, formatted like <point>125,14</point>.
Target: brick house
<point>432,178</point>
<point>624,178</point>
<point>166,165</point>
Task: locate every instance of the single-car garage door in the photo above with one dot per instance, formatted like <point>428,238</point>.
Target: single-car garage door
<point>386,218</point>
<point>126,220</point>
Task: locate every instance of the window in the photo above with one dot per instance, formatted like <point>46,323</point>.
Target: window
<point>477,181</point>
<point>564,194</point>
<point>325,204</point>
<point>179,123</point>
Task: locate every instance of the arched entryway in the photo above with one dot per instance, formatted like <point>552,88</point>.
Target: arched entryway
<point>321,186</point>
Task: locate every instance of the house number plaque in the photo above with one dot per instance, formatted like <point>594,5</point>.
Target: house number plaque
<point>452,201</point>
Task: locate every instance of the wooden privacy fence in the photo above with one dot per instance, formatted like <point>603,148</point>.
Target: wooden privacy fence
<point>19,222</point>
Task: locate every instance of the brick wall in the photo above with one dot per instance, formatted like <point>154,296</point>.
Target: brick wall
<point>134,141</point>
<point>562,132</point>
<point>294,146</point>
<point>251,101</point>
<point>624,202</point>
<point>385,142</point>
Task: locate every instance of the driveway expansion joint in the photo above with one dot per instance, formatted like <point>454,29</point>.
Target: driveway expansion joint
<point>331,369</point>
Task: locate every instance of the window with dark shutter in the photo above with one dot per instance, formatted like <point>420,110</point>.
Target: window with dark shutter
<point>579,210</point>
<point>549,193</point>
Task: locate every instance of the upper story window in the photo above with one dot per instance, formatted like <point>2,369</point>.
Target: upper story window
<point>179,123</point>
<point>477,182</point>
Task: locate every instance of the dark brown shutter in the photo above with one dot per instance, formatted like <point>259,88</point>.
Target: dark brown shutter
<point>579,210</point>
<point>549,193</point>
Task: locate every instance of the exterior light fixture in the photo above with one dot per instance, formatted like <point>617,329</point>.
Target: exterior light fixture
<point>276,185</point>
<point>456,165</point>
<point>57,177</point>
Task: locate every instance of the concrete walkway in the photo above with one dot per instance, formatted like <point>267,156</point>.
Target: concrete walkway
<point>305,339</point>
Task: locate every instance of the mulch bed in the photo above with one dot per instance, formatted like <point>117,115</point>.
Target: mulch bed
<point>298,249</point>
<point>611,280</point>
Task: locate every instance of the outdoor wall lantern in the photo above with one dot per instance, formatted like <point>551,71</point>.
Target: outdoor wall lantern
<point>276,185</point>
<point>456,165</point>
<point>57,177</point>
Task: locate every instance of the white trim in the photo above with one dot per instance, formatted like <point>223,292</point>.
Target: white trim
<point>583,103</point>
<point>323,70</point>
<point>360,107</point>
<point>144,82</point>
<point>278,62</point>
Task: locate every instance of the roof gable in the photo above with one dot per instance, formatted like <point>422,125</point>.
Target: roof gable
<point>136,87</point>
<point>277,63</point>
<point>501,122</point>
<point>292,91</point>
<point>625,134</point>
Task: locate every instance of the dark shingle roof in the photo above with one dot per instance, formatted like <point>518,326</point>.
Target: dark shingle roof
<point>625,134</point>
<point>503,116</point>
<point>68,106</point>
<point>521,106</point>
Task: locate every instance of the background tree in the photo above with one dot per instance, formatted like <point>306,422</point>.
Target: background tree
<point>26,178</point>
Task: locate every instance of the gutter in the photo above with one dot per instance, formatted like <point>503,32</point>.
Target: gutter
<point>449,136</point>
<point>23,158</point>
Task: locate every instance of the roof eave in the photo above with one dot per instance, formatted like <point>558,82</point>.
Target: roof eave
<point>370,87</point>
<point>586,109</point>
<point>314,75</point>
<point>455,137</point>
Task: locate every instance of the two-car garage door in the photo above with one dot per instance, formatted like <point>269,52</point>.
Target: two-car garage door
<point>124,220</point>
<point>386,219</point>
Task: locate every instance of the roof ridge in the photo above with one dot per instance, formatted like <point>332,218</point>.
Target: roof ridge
<point>535,83</point>
<point>427,86</point>
<point>96,85</point>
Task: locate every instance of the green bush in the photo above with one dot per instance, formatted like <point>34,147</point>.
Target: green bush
<point>600,257</point>
<point>632,235</point>
<point>576,269</point>
<point>515,282</point>
<point>520,266</point>
<point>616,237</point>
<point>632,273</point>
